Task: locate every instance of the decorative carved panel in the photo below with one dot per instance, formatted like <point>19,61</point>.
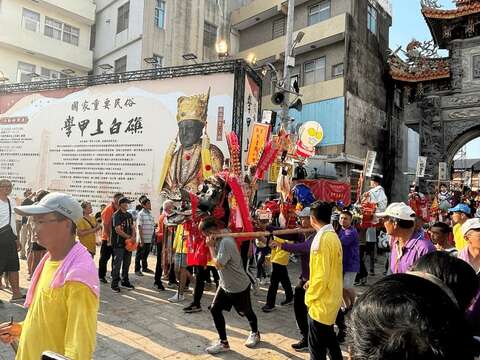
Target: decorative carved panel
<point>451,133</point>
<point>460,100</point>
<point>461,114</point>
<point>470,58</point>
<point>476,66</point>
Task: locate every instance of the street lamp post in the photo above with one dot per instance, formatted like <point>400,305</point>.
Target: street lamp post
<point>288,61</point>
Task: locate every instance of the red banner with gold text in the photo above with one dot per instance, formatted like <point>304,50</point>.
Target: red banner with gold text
<point>329,190</point>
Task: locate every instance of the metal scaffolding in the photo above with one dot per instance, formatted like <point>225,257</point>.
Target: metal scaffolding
<point>230,66</point>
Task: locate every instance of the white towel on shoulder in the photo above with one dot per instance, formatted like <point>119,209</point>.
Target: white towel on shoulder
<point>316,241</point>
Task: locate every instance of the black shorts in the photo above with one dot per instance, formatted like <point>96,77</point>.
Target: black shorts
<point>8,256</point>
<point>240,301</point>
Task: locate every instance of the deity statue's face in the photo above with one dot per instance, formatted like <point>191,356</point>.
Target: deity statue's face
<point>190,132</point>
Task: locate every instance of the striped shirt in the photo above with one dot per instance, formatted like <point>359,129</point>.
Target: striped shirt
<point>5,217</point>
<point>146,223</point>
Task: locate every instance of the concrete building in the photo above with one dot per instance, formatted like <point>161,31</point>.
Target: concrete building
<point>45,39</point>
<point>141,34</point>
<point>339,66</point>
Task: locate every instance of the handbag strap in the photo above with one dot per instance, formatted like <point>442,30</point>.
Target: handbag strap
<point>9,212</point>
<point>88,221</point>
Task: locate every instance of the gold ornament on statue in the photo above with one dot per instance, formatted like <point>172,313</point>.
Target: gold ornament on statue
<point>193,107</point>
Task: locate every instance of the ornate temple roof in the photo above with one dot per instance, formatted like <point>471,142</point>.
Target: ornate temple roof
<point>446,25</point>
<point>431,9</point>
<point>419,62</point>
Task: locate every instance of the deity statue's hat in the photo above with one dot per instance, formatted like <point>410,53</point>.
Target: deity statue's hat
<point>193,107</point>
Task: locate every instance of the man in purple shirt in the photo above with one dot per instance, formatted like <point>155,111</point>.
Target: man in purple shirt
<point>301,248</point>
<point>407,246</point>
<point>471,254</point>
<point>351,266</point>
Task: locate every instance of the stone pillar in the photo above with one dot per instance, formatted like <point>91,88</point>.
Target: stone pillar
<point>456,69</point>
<point>431,139</point>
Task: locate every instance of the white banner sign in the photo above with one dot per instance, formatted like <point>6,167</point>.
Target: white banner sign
<point>421,166</point>
<point>96,141</point>
<point>369,163</point>
<point>442,171</point>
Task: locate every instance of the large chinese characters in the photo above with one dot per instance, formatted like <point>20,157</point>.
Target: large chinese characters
<point>186,169</point>
<point>97,126</point>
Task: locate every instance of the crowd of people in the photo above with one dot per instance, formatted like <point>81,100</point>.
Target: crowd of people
<point>427,307</point>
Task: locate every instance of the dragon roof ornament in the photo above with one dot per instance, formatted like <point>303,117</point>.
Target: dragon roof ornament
<point>418,62</point>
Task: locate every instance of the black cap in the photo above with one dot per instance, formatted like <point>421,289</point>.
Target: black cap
<point>124,200</point>
<point>377,178</point>
<point>144,200</point>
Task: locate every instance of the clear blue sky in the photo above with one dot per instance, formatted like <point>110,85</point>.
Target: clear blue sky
<point>407,24</point>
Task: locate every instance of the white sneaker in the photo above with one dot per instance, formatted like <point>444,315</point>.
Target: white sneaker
<point>176,298</point>
<point>252,340</point>
<point>218,348</point>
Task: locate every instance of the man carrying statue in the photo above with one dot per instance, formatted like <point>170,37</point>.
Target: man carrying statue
<point>195,159</point>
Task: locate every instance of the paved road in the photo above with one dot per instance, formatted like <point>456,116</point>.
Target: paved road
<point>141,324</point>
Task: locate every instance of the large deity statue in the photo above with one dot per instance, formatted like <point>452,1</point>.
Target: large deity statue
<point>188,166</point>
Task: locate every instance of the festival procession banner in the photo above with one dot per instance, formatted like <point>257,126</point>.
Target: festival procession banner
<point>258,140</point>
<point>92,142</point>
<point>250,116</point>
<point>330,190</point>
<point>275,170</point>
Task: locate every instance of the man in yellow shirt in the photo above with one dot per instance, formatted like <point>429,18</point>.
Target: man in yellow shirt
<point>63,298</point>
<point>180,248</point>
<point>87,227</point>
<point>324,288</point>
<point>460,213</point>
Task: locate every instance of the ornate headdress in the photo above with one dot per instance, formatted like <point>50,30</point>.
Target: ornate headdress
<point>193,107</point>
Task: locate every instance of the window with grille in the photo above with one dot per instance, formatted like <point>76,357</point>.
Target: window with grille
<point>25,71</point>
<point>372,19</point>
<point>160,14</point>
<point>121,64</point>
<point>314,71</point>
<point>70,34</point>
<point>337,70</point>
<point>50,74</point>
<point>318,12</point>
<point>31,20</point>
<point>60,31</point>
<point>209,35</point>
<point>278,28</point>
<point>53,28</point>
<point>122,17</point>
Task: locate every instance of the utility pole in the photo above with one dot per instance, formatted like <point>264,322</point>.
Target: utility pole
<point>289,60</point>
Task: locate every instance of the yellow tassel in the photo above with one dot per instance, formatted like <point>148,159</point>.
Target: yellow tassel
<point>207,168</point>
<point>166,164</point>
